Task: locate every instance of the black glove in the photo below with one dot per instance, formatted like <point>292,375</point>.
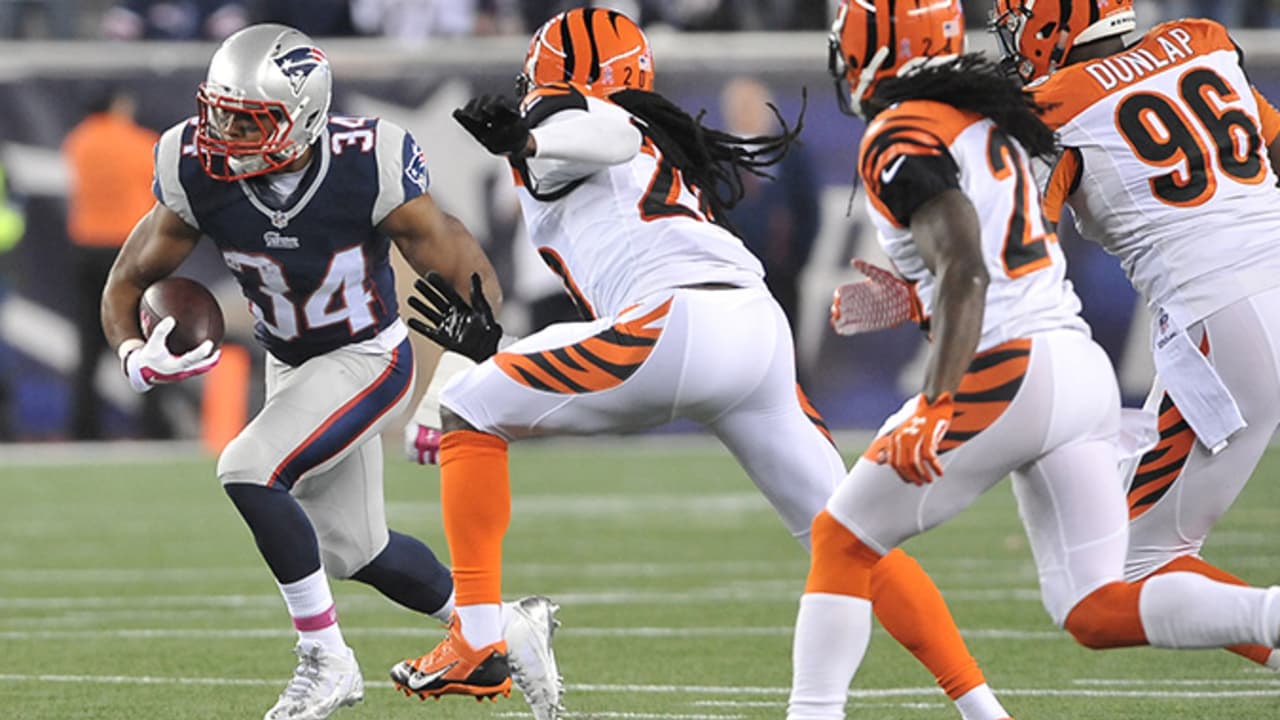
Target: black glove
<point>496,122</point>
<point>465,329</point>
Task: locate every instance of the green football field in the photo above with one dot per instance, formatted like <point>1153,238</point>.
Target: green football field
<point>130,589</point>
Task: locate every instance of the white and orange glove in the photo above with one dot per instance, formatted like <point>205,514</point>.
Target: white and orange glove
<point>149,363</point>
<point>423,434</point>
<point>912,447</point>
<point>882,301</point>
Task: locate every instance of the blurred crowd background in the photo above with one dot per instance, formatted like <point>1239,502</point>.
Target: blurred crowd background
<point>77,126</point>
<point>420,19</point>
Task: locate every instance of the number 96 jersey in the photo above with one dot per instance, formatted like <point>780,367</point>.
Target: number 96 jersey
<point>310,258</point>
<point>918,149</point>
<point>1165,164</point>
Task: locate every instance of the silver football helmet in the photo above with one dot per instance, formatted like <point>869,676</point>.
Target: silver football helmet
<point>264,101</point>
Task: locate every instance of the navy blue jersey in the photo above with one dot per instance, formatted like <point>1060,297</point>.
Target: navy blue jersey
<point>313,265</point>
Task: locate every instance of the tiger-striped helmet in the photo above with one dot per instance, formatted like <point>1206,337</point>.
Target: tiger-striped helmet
<point>872,40</point>
<point>601,50</point>
<point>1037,35</point>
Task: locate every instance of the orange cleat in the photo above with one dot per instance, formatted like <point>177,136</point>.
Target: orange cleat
<point>454,668</point>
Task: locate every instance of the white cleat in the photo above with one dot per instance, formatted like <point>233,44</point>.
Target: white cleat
<point>322,683</point>
<point>530,624</point>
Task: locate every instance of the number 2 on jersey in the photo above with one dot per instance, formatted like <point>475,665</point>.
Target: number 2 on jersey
<point>1161,134</point>
<point>668,194</point>
<point>1026,248</point>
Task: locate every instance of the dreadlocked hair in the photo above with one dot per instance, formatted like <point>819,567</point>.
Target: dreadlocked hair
<point>974,84</point>
<point>711,160</point>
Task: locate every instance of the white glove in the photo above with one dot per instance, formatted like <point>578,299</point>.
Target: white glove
<point>882,301</point>
<point>423,433</point>
<point>150,363</point>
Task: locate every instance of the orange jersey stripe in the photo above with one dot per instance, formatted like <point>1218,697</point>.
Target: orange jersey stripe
<point>1067,173</point>
<point>1270,120</point>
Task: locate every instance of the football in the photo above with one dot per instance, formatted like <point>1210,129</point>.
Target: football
<point>193,307</point>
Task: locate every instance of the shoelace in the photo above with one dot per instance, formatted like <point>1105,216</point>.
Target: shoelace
<point>429,659</point>
<point>305,677</point>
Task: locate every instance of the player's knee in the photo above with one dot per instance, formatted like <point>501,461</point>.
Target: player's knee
<point>451,421</point>
<point>1108,617</point>
<point>245,460</point>
<point>338,564</point>
<point>841,562</point>
<point>344,556</point>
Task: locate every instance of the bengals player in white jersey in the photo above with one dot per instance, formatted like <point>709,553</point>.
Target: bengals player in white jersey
<point>1014,384</point>
<point>624,195</point>
<point>1165,163</point>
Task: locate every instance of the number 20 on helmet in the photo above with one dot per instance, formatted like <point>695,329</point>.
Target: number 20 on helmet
<point>600,50</point>
<point>872,40</point>
<point>1036,36</point>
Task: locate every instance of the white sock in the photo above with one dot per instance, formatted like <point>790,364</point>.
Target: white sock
<point>980,704</point>
<point>1186,610</point>
<point>445,612</point>
<point>481,624</point>
<point>507,608</point>
<point>832,633</point>
<point>315,617</point>
<point>1273,662</point>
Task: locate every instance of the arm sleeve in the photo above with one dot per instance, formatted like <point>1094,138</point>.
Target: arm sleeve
<point>904,168</point>
<point>577,137</point>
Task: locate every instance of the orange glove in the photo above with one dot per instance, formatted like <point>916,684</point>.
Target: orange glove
<point>912,447</point>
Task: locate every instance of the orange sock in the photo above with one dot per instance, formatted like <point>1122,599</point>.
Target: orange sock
<point>475,496</point>
<point>840,564</point>
<point>909,606</point>
<point>1109,617</point>
<point>1187,563</point>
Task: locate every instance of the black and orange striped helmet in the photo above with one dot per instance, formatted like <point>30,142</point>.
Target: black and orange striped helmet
<point>601,50</point>
<point>871,40</point>
<point>1036,36</point>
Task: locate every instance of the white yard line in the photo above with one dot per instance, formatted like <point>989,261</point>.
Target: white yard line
<point>1273,682</point>
<point>158,575</point>
<point>13,455</point>
<point>632,715</point>
<point>669,689</point>
<point>736,591</point>
<point>428,629</point>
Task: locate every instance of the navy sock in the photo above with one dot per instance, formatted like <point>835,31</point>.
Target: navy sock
<point>409,573</point>
<point>284,534</point>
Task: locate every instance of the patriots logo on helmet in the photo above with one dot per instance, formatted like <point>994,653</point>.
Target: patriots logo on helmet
<point>299,63</point>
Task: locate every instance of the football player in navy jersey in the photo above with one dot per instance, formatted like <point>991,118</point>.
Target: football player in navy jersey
<point>304,208</point>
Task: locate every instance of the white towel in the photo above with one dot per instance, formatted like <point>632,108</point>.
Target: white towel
<point>1196,389</point>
